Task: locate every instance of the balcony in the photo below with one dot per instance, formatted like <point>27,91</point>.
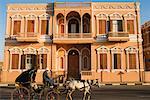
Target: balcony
<point>27,37</point>
<point>118,36</point>
<point>73,38</point>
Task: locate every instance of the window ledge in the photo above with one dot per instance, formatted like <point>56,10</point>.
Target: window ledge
<point>117,70</point>
<point>132,70</point>
<point>105,70</point>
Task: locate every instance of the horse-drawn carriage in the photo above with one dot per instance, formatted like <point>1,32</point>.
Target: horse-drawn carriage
<point>27,89</point>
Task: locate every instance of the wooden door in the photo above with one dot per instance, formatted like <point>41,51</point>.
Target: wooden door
<point>73,64</point>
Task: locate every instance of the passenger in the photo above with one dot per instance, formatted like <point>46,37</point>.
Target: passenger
<point>47,80</point>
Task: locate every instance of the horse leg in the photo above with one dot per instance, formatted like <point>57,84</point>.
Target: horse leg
<point>70,95</point>
<point>84,96</point>
<point>89,96</point>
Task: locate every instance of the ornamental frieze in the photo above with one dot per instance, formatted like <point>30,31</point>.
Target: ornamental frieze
<point>29,9</point>
<point>113,6</point>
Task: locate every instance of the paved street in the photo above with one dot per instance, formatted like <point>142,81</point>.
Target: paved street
<point>103,93</point>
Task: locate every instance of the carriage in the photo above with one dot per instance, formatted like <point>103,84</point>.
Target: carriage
<point>30,91</point>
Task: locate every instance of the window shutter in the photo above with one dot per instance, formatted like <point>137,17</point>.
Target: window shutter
<point>103,61</point>
<point>17,26</point>
<point>118,61</point>
<point>44,66</point>
<point>44,27</point>
<point>30,27</point>
<point>132,61</point>
<point>38,61</point>
<point>23,61</point>
<point>102,26</point>
<point>130,26</point>
<point>15,61</point>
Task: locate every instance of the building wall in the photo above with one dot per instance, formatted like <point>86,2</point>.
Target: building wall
<point>58,44</point>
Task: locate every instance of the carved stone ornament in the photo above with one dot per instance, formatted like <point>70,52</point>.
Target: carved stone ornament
<point>102,49</point>
<point>131,50</point>
<point>116,50</point>
<point>15,50</point>
<point>29,50</point>
<point>43,50</point>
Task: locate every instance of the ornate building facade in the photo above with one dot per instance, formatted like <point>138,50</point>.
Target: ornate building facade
<point>88,40</point>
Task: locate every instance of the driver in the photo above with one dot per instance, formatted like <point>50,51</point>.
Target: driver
<point>46,79</point>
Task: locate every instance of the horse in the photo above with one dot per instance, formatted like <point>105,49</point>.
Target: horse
<point>85,86</point>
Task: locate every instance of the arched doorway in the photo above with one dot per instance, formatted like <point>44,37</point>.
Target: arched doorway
<point>73,64</point>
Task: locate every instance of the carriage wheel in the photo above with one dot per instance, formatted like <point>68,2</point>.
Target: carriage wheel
<point>52,96</point>
<point>21,93</point>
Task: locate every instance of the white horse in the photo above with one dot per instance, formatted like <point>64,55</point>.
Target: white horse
<point>81,86</point>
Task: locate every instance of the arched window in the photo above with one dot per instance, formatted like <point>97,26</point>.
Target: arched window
<point>86,59</point>
<point>60,22</point>
<point>73,19</point>
<point>86,23</point>
<point>61,58</point>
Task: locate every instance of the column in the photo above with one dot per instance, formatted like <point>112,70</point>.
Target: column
<point>12,26</point>
<point>19,64</point>
<point>108,60</point>
<point>97,22</point>
<point>36,26</point>
<point>93,58</point>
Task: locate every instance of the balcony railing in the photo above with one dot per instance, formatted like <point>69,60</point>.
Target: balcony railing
<point>73,35</point>
<point>118,36</point>
<point>28,37</point>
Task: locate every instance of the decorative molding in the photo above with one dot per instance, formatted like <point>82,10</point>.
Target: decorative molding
<point>31,16</point>
<point>17,16</point>
<point>45,15</point>
<point>116,50</point>
<point>116,16</point>
<point>102,16</point>
<point>130,16</point>
<point>20,9</point>
<point>43,50</point>
<point>131,49</point>
<point>112,6</point>
<point>15,50</point>
<point>29,50</point>
<point>103,49</point>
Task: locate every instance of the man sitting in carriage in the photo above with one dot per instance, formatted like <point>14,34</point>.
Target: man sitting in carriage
<point>26,78</point>
<point>48,81</point>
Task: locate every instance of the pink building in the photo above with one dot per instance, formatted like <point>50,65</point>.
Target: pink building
<point>88,40</point>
